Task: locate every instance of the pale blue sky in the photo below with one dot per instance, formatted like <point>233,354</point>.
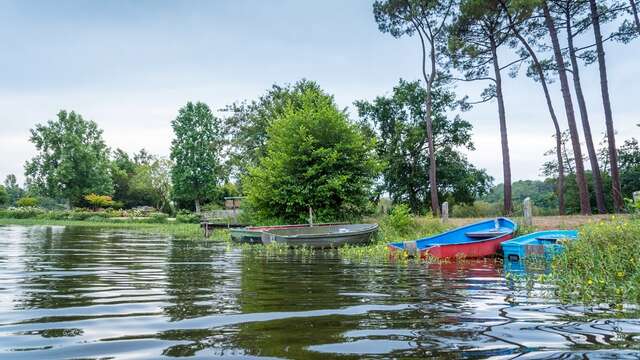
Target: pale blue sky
<point>129,66</point>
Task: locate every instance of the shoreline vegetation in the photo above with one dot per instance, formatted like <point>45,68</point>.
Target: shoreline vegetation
<point>180,231</point>
<point>601,267</point>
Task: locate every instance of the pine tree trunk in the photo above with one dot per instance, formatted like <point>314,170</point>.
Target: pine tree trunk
<point>543,81</point>
<point>429,80</point>
<point>586,127</point>
<point>634,10</point>
<point>606,102</point>
<point>561,206</point>
<point>506,162</point>
<point>585,207</point>
<point>433,183</point>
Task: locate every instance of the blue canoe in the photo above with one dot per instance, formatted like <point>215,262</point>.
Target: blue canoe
<point>472,241</point>
<point>545,244</point>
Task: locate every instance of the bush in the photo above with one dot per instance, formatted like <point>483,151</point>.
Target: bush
<point>96,218</point>
<point>27,202</point>
<point>186,217</point>
<point>633,207</point>
<point>21,213</point>
<point>157,218</point>
<point>400,220</point>
<point>54,215</point>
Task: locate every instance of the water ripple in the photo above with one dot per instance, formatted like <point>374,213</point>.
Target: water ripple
<point>85,293</point>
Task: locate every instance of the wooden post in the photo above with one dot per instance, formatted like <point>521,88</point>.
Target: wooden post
<point>310,216</point>
<point>206,228</point>
<point>528,213</point>
<point>445,212</point>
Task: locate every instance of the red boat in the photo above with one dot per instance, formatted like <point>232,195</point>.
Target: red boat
<point>471,241</point>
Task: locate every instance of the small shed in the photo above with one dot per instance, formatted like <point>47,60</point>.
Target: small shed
<point>233,202</point>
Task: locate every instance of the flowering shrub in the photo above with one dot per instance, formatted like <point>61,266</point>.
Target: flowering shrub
<point>27,202</point>
<point>98,201</point>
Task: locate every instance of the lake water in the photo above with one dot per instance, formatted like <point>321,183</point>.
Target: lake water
<point>98,294</point>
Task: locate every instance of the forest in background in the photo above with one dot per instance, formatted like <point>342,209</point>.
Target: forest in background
<point>293,148</point>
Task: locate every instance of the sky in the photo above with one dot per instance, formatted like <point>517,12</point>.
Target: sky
<point>130,65</point>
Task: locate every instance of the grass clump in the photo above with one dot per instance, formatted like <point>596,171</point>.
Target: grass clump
<point>602,266</point>
<point>398,226</point>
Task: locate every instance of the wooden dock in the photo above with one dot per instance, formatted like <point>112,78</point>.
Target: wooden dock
<point>208,227</point>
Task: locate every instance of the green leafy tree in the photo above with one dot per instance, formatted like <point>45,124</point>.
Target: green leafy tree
<point>132,179</point>
<point>397,122</point>
<point>246,126</point>
<point>314,158</point>
<point>542,193</point>
<point>196,151</point>
<point>428,19</point>
<point>13,189</point>
<point>122,169</point>
<point>4,196</point>
<point>141,189</point>
<point>72,159</point>
<point>152,182</point>
<point>475,37</point>
<point>629,161</point>
<point>160,176</point>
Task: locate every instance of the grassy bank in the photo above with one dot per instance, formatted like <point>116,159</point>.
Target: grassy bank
<point>178,230</point>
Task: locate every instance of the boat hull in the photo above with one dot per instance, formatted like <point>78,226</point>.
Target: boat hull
<point>253,234</point>
<point>468,250</point>
<point>472,241</point>
<point>322,238</point>
<point>541,244</point>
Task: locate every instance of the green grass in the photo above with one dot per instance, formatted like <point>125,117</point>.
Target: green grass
<point>179,231</point>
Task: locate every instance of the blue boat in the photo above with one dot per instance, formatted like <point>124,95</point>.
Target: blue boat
<point>540,244</point>
<point>472,241</point>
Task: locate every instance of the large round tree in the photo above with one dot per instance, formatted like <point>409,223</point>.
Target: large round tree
<point>315,158</point>
<point>72,159</point>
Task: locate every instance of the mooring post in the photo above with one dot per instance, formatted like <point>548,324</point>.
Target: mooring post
<point>445,212</point>
<point>528,213</point>
<point>206,228</point>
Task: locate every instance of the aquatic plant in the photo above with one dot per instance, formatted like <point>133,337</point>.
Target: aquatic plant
<point>602,266</point>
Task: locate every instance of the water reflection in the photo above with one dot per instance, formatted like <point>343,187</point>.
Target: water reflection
<point>87,293</point>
